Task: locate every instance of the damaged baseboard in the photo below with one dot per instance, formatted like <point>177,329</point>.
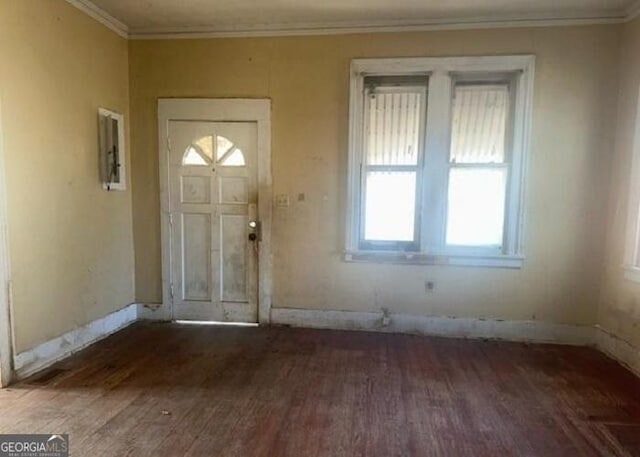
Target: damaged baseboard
<point>42,356</point>
<point>618,349</point>
<point>527,331</point>
<point>154,312</point>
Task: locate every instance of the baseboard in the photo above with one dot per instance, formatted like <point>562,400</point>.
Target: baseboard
<point>35,359</point>
<point>619,349</point>
<point>530,331</point>
<point>526,331</point>
<point>30,361</point>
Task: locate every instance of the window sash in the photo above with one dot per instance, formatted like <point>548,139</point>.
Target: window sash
<point>398,245</point>
<point>486,79</point>
<point>463,82</point>
<point>393,86</point>
<point>488,248</point>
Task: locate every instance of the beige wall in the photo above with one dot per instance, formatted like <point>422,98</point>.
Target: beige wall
<point>71,242</point>
<point>307,80</point>
<point>620,299</point>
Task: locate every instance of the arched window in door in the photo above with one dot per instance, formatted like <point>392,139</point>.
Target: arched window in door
<point>200,153</point>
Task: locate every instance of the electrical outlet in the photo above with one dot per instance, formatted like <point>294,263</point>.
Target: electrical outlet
<point>429,286</point>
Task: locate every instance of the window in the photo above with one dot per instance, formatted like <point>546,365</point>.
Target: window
<point>632,248</point>
<point>477,164</point>
<point>200,153</point>
<point>195,158</point>
<point>436,159</point>
<point>394,116</point>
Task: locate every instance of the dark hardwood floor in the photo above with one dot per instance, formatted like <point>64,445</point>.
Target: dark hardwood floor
<point>176,390</point>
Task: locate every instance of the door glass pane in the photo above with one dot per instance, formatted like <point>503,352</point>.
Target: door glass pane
<point>393,127</point>
<point>234,159</point>
<point>479,123</point>
<point>390,206</point>
<point>476,207</point>
<point>222,146</point>
<point>206,146</point>
<point>193,158</point>
<point>227,154</point>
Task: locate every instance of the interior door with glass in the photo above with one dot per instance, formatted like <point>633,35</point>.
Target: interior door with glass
<point>214,221</point>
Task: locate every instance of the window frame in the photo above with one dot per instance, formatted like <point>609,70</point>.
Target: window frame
<point>442,73</point>
<point>418,168</point>
<point>631,259</point>
<point>508,79</point>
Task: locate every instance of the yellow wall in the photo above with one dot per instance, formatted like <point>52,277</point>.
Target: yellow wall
<point>620,300</point>
<point>71,242</point>
<point>307,80</point>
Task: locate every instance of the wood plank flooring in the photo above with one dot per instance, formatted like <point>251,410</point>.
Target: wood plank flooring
<point>176,390</point>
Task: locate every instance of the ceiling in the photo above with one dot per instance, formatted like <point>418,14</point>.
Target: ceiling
<point>143,17</point>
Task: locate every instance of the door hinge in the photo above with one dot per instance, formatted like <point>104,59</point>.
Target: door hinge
<point>171,291</point>
<point>169,143</point>
<point>171,219</point>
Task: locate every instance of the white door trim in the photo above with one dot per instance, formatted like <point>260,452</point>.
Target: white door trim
<point>220,110</point>
<point>6,332</point>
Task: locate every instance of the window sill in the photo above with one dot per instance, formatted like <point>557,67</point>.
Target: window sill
<point>418,258</point>
<point>632,273</point>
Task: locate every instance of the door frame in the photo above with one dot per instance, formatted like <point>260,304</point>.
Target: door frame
<point>6,327</point>
<point>219,110</point>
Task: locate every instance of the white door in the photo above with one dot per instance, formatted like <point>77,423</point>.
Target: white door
<point>214,228</point>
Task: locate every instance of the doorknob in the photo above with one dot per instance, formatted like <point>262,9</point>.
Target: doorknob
<point>256,231</point>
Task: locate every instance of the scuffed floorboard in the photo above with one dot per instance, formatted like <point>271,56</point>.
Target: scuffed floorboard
<point>172,390</point>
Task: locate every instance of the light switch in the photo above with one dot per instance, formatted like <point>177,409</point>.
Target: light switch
<point>282,200</point>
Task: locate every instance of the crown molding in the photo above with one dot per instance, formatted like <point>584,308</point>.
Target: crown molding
<point>339,28</point>
<point>101,16</point>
